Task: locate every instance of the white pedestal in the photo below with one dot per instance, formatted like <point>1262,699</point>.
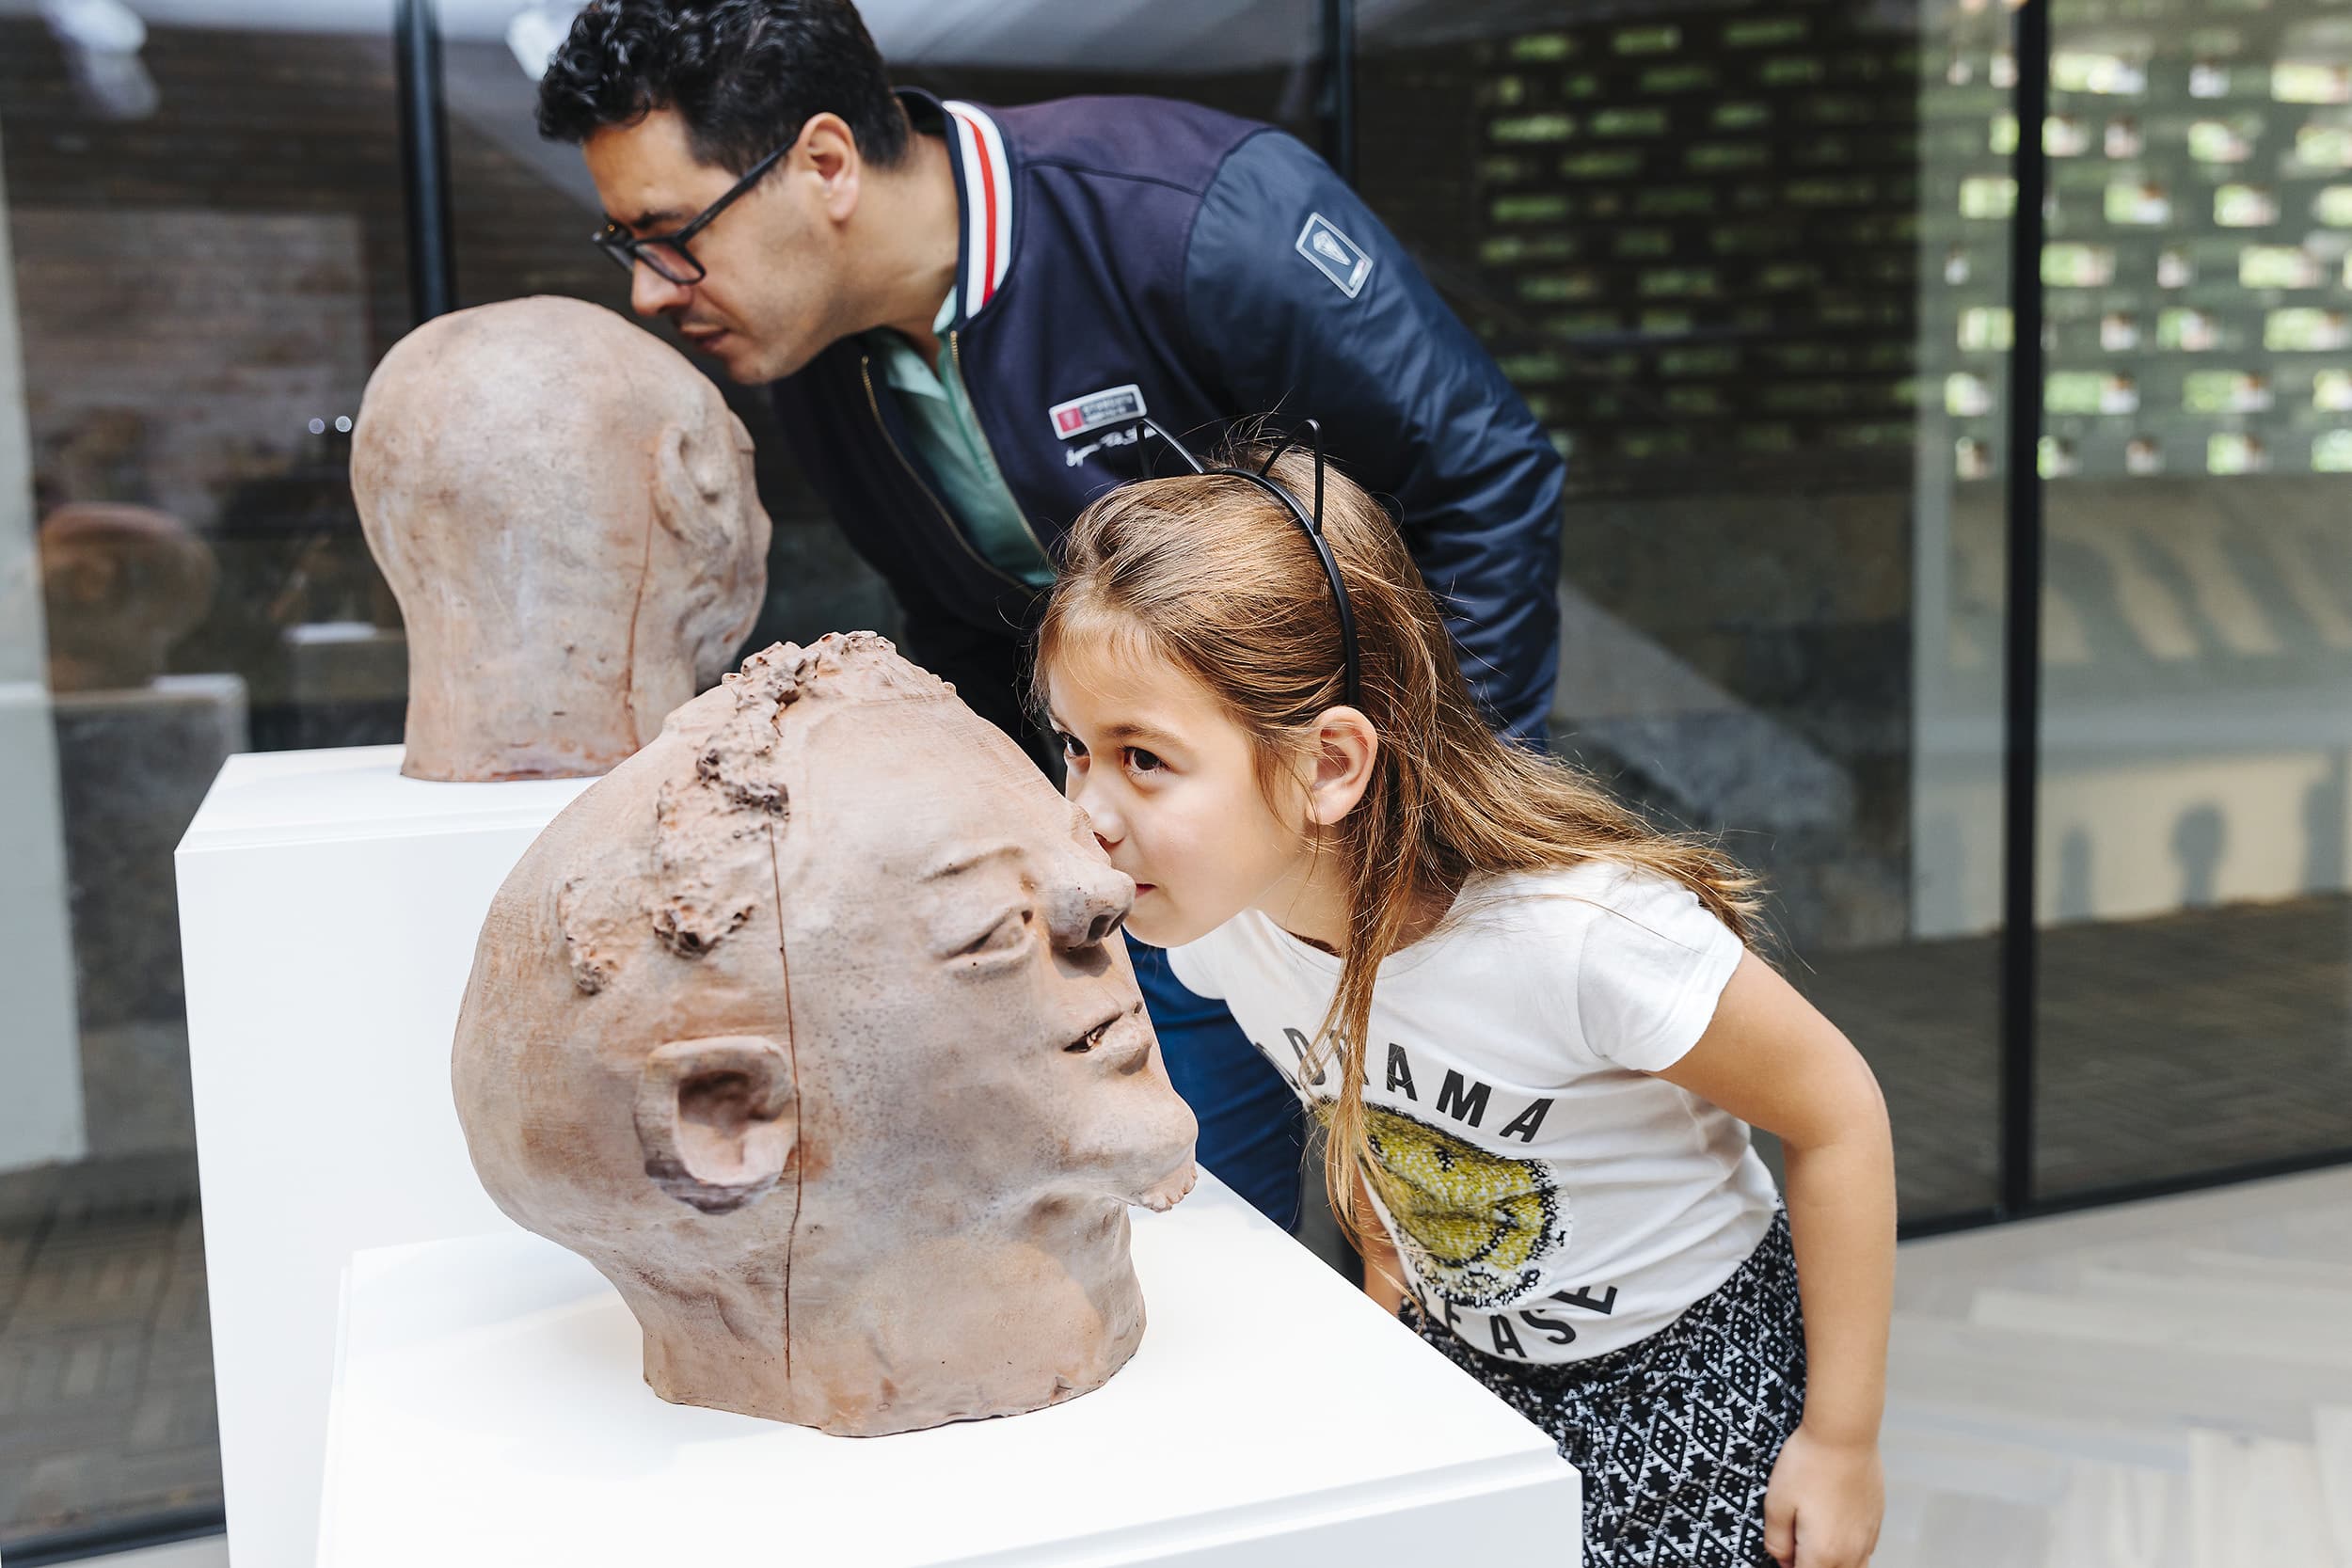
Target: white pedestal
<point>489,1408</point>
<point>327,911</point>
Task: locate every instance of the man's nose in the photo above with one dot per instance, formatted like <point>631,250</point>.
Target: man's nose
<point>650,293</point>
<point>1088,905</point>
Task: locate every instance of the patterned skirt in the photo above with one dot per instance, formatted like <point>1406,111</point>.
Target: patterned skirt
<point>1676,1435</point>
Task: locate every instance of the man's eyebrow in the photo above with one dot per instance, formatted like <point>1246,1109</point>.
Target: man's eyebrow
<point>645,220</point>
<point>959,864</point>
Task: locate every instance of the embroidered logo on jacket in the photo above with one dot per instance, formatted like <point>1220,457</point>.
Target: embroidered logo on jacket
<point>1111,406</point>
<point>1337,256</point>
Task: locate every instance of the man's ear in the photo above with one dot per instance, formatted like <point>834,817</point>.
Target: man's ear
<point>714,1119</point>
<point>831,151</point>
<point>1339,770</point>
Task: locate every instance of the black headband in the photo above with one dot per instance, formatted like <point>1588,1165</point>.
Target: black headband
<point>1311,522</point>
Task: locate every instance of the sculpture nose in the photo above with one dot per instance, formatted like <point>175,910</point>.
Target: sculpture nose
<point>1088,905</point>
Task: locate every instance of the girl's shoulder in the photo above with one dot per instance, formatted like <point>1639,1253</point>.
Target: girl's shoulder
<point>1566,900</point>
<point>1633,956</point>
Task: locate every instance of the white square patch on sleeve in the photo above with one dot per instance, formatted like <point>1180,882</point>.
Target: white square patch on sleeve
<point>1337,256</point>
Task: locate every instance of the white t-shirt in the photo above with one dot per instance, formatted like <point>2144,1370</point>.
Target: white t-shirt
<point>1551,1199</point>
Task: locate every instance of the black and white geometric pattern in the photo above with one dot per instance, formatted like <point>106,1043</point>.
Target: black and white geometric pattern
<point>1676,1436</point>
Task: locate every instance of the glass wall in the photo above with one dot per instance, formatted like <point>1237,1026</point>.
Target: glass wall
<point>2195,1005</point>
<point>205,239</point>
<point>1726,256</point>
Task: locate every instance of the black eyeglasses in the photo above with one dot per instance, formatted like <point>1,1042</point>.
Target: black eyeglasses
<point>667,253</point>
<point>1311,522</point>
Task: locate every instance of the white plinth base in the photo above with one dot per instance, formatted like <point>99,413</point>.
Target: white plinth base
<point>329,910</point>
<point>490,1409</point>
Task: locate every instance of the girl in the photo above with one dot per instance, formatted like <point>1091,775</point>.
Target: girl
<point>1530,1023</point>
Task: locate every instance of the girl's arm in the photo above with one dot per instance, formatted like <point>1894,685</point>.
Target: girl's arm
<point>1773,1061</point>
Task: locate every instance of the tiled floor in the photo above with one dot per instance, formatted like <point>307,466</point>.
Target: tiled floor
<point>2162,1385</point>
<point>105,1352</point>
<point>2198,1041</point>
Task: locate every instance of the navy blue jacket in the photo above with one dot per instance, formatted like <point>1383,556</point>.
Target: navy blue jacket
<point>1131,256</point>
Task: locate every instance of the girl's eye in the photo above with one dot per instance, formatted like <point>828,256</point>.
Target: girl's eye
<point>1142,761</point>
<point>1072,747</point>
<point>1008,935</point>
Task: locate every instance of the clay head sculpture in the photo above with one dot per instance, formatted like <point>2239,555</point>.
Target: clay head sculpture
<point>811,1026</point>
<point>565,509</point>
<point>121,585</point>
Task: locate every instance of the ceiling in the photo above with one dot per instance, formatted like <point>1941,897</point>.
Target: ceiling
<point>1106,35</point>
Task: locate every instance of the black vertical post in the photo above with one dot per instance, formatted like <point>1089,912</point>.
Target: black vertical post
<point>424,160</point>
<point>2021,761</point>
<point>1339,86</point>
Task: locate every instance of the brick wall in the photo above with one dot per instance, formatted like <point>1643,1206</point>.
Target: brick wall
<point>2196,281</point>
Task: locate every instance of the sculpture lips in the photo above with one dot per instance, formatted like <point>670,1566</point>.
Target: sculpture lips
<point>1122,1040</point>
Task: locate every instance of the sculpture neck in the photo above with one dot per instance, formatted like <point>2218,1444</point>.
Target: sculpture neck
<point>934,1330</point>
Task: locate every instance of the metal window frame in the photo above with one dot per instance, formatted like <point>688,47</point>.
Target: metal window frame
<point>2020,761</point>
<point>424,159</point>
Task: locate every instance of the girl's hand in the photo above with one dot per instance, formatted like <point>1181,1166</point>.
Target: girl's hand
<point>1824,1503</point>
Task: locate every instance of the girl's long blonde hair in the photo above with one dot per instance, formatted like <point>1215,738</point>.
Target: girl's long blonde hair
<point>1211,573</point>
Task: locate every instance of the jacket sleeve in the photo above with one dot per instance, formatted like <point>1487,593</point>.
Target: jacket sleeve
<point>1301,303</point>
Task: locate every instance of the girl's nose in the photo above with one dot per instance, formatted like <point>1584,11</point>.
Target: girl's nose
<point>1105,822</point>
<point>1088,905</point>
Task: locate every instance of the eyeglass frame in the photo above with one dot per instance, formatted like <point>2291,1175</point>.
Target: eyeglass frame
<point>628,251</point>
<point>1310,523</point>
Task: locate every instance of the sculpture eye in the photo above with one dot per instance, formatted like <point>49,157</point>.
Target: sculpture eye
<point>1009,935</point>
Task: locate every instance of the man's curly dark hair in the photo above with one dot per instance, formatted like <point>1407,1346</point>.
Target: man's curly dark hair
<point>744,75</point>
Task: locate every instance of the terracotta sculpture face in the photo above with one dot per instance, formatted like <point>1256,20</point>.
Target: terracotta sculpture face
<point>565,509</point>
<point>121,584</point>
<point>811,1026</point>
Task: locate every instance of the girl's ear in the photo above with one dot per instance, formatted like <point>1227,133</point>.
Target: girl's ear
<point>1347,747</point>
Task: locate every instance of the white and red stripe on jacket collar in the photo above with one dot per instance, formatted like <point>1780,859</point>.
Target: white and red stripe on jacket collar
<point>980,148</point>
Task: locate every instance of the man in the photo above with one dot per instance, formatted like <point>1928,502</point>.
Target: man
<point>966,313</point>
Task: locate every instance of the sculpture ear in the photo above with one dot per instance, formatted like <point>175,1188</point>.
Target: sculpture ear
<point>714,1120</point>
<point>691,477</point>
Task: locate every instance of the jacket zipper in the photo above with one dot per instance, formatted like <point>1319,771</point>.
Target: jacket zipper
<point>866,373</point>
<point>955,356</point>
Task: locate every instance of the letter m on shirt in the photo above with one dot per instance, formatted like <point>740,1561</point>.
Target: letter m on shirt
<point>1467,1108</point>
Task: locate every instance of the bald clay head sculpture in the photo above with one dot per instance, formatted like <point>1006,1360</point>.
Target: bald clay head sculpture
<point>811,1026</point>
<point>565,509</point>
<point>121,584</point>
